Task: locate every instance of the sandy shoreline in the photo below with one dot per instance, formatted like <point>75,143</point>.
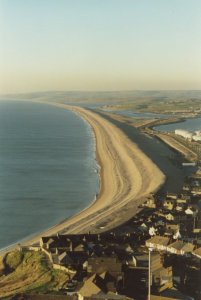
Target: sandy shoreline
<point>128,176</point>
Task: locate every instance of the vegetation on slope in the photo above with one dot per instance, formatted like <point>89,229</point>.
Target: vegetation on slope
<point>28,272</point>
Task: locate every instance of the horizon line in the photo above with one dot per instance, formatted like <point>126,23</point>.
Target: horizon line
<point>98,91</point>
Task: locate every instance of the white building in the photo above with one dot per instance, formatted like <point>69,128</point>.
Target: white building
<point>196,136</point>
<point>184,133</point>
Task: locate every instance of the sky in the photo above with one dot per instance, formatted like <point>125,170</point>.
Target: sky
<point>48,45</point>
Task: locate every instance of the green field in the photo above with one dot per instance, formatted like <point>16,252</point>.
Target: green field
<point>141,101</point>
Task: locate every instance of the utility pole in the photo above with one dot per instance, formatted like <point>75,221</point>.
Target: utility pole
<point>149,275</point>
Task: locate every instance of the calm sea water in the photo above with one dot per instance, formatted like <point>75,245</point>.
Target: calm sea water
<point>47,168</point>
<point>189,124</point>
<point>137,115</point>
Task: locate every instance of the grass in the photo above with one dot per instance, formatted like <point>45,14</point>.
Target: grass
<point>169,105</point>
<point>30,272</point>
<point>1,265</point>
<point>14,259</point>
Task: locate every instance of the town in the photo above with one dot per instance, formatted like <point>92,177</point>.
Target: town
<point>155,255</point>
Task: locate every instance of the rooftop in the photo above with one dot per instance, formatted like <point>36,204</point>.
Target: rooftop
<point>197,252</point>
<point>160,240</point>
<point>180,245</point>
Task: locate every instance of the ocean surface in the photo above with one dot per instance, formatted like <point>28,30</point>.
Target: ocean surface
<point>138,115</point>
<point>48,170</point>
<point>189,124</point>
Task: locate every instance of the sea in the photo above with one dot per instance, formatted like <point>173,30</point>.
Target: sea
<point>138,115</point>
<point>191,124</point>
<point>48,168</point>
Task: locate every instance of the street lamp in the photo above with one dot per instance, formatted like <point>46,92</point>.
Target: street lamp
<point>149,275</point>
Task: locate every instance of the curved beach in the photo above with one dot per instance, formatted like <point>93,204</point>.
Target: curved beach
<point>128,176</point>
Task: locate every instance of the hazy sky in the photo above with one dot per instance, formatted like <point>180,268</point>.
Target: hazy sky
<point>99,45</point>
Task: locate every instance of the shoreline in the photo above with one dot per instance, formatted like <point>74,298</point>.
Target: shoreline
<point>127,177</point>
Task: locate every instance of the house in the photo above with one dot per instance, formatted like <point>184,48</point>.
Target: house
<point>189,211</point>
<point>107,282</point>
<point>180,248</point>
<point>142,260</point>
<point>169,217</point>
<point>177,235</point>
<point>99,284</point>
<point>89,288</point>
<point>179,207</point>
<point>158,242</point>
<point>186,187</point>
<point>197,252</point>
<point>161,221</point>
<point>186,197</point>
<point>64,259</point>
<point>152,231</point>
<point>143,227</point>
<point>161,276</point>
<point>183,200</point>
<point>69,258</point>
<point>50,243</point>
<point>173,227</point>
<point>172,196</point>
<point>169,204</point>
<point>150,203</point>
<point>57,241</point>
<point>162,279</point>
<point>71,242</point>
<point>172,230</point>
<point>61,258</point>
<point>102,264</point>
<point>80,247</point>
